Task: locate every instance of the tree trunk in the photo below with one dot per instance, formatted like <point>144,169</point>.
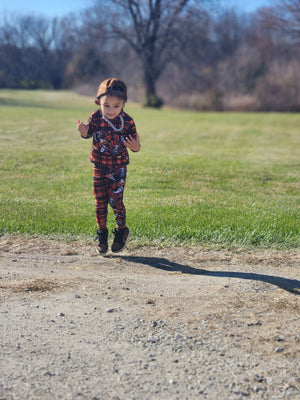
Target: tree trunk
<point>150,78</point>
<point>150,90</point>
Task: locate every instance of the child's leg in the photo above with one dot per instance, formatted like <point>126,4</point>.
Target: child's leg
<point>116,191</point>
<point>100,184</point>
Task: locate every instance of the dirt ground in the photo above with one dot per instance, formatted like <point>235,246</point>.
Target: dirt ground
<point>148,323</point>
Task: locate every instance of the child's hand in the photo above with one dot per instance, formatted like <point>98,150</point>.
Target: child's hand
<point>83,129</point>
<point>132,144</point>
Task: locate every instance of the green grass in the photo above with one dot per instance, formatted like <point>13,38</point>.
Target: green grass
<point>213,179</point>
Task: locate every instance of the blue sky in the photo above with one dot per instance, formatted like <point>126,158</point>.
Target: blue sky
<point>60,7</point>
<point>249,5</point>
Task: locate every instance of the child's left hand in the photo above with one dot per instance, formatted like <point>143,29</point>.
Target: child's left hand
<point>83,129</point>
<point>132,144</point>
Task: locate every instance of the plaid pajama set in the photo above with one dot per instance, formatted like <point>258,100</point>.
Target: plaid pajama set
<point>110,158</point>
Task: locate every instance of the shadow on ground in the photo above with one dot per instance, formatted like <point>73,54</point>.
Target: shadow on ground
<point>291,285</point>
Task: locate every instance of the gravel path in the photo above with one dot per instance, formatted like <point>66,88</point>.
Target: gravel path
<point>171,323</point>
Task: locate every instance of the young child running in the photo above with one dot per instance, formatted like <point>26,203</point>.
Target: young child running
<point>113,131</point>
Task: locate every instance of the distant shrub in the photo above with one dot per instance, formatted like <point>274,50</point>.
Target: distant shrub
<point>279,89</point>
<point>154,102</point>
<point>209,101</point>
<point>240,103</point>
<point>215,99</point>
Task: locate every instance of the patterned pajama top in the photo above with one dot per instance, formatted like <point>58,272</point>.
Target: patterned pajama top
<point>108,147</point>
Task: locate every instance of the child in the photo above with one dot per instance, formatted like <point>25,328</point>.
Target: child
<point>113,132</point>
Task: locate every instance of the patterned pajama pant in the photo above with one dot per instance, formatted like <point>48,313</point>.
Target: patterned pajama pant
<point>109,183</point>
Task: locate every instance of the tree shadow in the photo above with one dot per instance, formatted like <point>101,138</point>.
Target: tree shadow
<point>290,285</point>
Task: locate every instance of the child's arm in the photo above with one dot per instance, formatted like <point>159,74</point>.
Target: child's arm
<point>83,129</point>
<point>133,143</point>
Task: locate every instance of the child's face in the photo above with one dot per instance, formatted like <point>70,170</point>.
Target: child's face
<point>111,106</point>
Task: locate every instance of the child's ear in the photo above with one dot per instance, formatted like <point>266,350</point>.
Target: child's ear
<point>97,101</point>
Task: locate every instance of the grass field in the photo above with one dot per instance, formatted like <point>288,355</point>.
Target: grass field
<point>212,179</point>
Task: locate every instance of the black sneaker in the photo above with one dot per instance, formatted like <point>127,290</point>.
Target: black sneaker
<point>120,240</point>
<point>102,237</point>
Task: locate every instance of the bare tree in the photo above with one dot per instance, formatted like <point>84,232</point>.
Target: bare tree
<point>29,52</point>
<point>89,43</point>
<point>283,17</point>
<point>291,11</point>
<point>152,29</point>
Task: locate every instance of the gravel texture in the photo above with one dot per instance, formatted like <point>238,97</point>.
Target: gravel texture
<point>149,323</point>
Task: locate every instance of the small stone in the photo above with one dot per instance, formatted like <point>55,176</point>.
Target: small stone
<point>245,394</point>
<point>279,349</point>
<point>48,374</point>
<point>111,310</point>
<point>255,323</point>
<point>259,378</point>
<point>61,314</point>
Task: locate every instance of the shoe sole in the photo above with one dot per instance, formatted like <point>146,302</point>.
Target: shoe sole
<point>101,253</point>
<point>122,248</point>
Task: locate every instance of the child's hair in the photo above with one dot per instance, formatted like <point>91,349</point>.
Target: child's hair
<point>113,87</point>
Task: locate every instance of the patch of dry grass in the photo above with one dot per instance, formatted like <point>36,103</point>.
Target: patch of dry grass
<point>30,285</point>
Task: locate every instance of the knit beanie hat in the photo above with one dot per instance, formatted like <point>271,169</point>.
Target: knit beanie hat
<point>113,87</point>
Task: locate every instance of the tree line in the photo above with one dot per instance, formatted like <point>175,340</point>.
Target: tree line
<point>184,53</point>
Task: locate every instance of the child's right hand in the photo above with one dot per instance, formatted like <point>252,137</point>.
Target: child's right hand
<point>82,128</point>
